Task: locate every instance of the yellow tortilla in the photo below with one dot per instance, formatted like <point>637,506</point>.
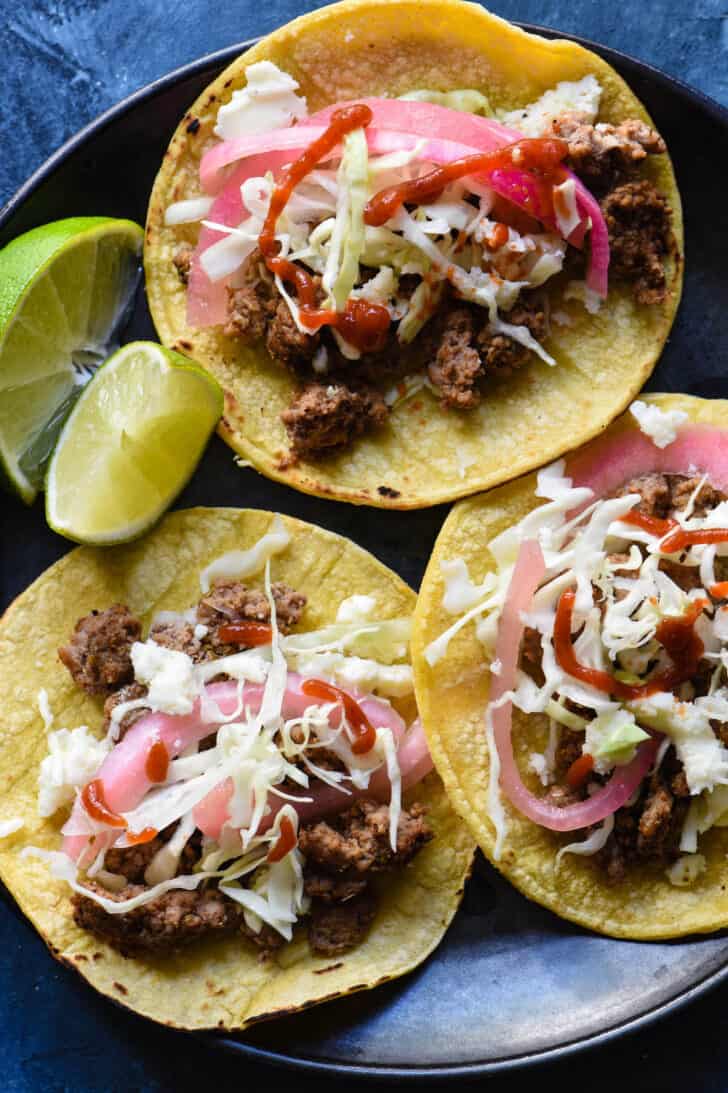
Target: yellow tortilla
<point>452,698</point>
<point>423,455</point>
<point>221,983</point>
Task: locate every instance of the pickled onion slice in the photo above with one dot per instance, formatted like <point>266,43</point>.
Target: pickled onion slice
<point>123,773</point>
<point>414,761</point>
<point>610,461</point>
<point>396,126</point>
<point>527,575</point>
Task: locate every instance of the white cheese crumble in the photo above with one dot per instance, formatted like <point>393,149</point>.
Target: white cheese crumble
<point>268,101</point>
<point>169,675</point>
<point>73,759</point>
<point>9,827</point>
<point>579,96</point>
<point>660,426</point>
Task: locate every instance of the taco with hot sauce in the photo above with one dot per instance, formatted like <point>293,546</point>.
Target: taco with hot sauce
<point>571,651</point>
<point>216,787</point>
<point>408,236</point>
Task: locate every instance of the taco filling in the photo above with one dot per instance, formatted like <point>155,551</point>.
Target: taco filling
<point>252,772</point>
<point>383,245</point>
<point>607,614</point>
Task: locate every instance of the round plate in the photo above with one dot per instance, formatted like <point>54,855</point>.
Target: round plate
<point>510,984</point>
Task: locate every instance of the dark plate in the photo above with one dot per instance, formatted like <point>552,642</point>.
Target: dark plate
<point>511,984</point>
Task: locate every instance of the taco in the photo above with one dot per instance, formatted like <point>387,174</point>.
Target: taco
<point>217,798</point>
<point>470,263</point>
<point>571,651</point>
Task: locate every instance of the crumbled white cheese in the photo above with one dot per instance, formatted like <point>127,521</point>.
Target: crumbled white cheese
<point>579,96</point>
<point>268,101</point>
<point>73,759</point>
<point>660,426</point>
<point>236,565</point>
<point>169,675</point>
<point>9,827</point>
<point>201,631</point>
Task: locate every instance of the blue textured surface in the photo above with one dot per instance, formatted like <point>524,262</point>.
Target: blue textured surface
<point>64,61</point>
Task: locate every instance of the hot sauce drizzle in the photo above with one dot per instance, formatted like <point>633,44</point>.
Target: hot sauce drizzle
<point>285,841</point>
<point>653,524</point>
<point>681,538</point>
<point>136,838</point>
<point>93,800</point>
<point>364,324</point>
<point>157,763</point>
<point>364,732</point>
<point>676,635</point>
<point>246,633</point>
<point>579,771</point>
<point>535,154</point>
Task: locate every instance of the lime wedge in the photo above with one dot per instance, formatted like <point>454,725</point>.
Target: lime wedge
<point>130,444</point>
<point>64,289</point>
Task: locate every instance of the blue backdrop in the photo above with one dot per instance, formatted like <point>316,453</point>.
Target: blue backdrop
<point>63,62</point>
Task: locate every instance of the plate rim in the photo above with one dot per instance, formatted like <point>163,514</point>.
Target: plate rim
<point>218,59</point>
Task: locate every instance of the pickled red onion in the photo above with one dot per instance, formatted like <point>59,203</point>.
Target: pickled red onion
<point>396,126</point>
<point>527,574</point>
<point>123,773</point>
<point>414,761</point>
<point>614,459</point>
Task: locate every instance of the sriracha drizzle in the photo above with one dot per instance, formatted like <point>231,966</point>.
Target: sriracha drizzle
<point>364,732</point>
<point>362,323</point>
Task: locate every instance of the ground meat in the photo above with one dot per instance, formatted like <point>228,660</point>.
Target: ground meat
<point>251,304</point>
<point>332,889</point>
<point>166,925</point>
<point>463,355</point>
<point>131,862</point>
<point>98,655</point>
<point>182,260</point>
<point>457,366</point>
<point>686,577</point>
<point>287,344</point>
<point>357,841</point>
<point>125,694</point>
<point>649,831</point>
<point>335,928</point>
<point>180,635</point>
<point>661,494</point>
<point>682,489</point>
<point>501,355</point>
<point>266,938</point>
<point>325,417</point>
<point>655,494</point>
<point>604,154</point>
<point>568,750</point>
<point>532,655</point>
<point>232,601</point>
<point>640,238</point>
